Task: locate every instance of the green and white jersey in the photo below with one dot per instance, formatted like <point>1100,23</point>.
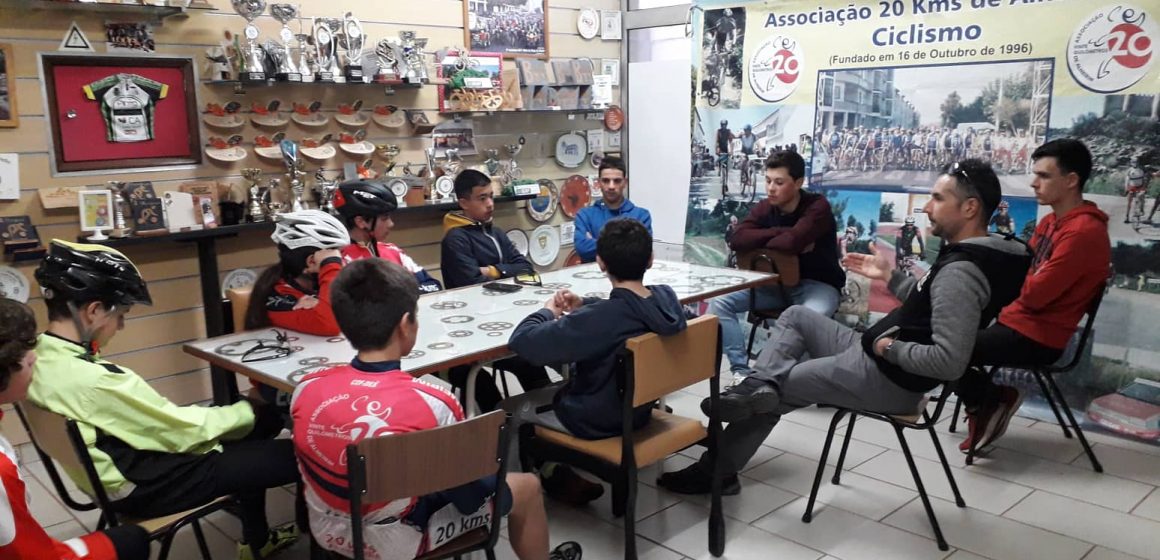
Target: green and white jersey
<point>127,104</point>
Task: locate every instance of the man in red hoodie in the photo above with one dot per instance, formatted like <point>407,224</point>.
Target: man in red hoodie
<point>1070,266</point>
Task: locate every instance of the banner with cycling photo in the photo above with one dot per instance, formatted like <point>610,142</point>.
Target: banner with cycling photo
<point>723,41</point>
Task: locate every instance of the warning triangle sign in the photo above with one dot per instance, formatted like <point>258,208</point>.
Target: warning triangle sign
<point>75,40</point>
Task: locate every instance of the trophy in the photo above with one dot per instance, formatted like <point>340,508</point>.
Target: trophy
<point>413,55</point>
<point>294,174</point>
<point>254,69</point>
<point>325,191</point>
<point>257,195</point>
<point>288,70</point>
<point>388,152</point>
<point>325,44</point>
<point>492,161</point>
<point>119,227</point>
<point>272,207</point>
<point>280,56</point>
<point>388,62</point>
<point>306,58</point>
<point>335,27</point>
<point>352,41</point>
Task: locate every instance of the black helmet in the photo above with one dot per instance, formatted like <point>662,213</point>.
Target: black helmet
<point>363,198</point>
<point>82,273</point>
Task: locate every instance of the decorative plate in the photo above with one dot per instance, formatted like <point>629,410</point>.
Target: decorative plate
<point>309,115</point>
<point>543,207</point>
<point>576,195</point>
<point>269,152</point>
<point>389,116</point>
<point>320,153</point>
<point>398,187</point>
<point>573,259</point>
<point>351,114</point>
<point>571,150</point>
<point>268,115</point>
<point>227,155</point>
<point>13,284</point>
<point>588,23</point>
<point>363,148</point>
<point>614,118</point>
<point>239,278</point>
<point>544,245</point>
<point>444,186</point>
<point>520,240</point>
<point>224,117</point>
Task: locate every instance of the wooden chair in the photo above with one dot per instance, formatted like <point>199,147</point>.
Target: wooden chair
<point>57,438</point>
<point>653,366</point>
<point>786,267</point>
<point>239,299</point>
<point>1045,375</point>
<point>419,463</point>
<point>920,420</point>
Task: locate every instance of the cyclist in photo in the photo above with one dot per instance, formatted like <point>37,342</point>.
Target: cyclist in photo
<point>748,142</point>
<point>904,243</point>
<point>1136,185</point>
<point>1002,222</point>
<point>724,32</point>
<point>724,141</point>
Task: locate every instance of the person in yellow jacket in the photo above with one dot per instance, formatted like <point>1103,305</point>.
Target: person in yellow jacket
<point>153,457</point>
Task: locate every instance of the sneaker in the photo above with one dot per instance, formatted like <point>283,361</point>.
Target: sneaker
<point>693,480</point>
<point>569,550</point>
<point>569,487</point>
<point>974,434</point>
<point>749,397</point>
<point>280,539</point>
<point>1009,400</point>
<point>982,423</point>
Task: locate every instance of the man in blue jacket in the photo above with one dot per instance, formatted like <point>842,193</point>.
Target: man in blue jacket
<point>613,182</point>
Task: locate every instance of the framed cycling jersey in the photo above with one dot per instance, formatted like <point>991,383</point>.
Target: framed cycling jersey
<point>120,111</point>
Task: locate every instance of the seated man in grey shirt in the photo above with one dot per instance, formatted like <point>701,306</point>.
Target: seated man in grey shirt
<point>926,341</point>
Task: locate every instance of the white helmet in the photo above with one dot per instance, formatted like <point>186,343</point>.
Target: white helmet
<point>310,228</point>
<point>910,220</point>
<point>728,12</point>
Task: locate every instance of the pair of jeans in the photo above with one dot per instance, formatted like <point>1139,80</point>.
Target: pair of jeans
<point>817,296</point>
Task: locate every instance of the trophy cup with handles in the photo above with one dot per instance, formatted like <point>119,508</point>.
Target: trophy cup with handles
<point>325,45</point>
<point>288,70</point>
<point>257,211</point>
<point>352,41</point>
<point>294,174</point>
<point>388,62</point>
<point>254,68</point>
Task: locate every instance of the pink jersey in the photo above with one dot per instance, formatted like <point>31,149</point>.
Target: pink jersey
<point>388,251</point>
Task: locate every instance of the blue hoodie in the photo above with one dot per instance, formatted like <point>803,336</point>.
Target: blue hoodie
<point>591,219</point>
<point>590,403</point>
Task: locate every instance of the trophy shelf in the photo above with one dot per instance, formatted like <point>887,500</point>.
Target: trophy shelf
<point>468,113</point>
<point>148,10</point>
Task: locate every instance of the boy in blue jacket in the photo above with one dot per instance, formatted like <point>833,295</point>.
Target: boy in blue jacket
<point>613,182</point>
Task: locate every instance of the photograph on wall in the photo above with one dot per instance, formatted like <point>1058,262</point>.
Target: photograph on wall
<point>899,126</point>
<point>512,28</point>
<point>8,112</point>
<point>131,36</point>
<point>721,65</point>
<point>730,146</point>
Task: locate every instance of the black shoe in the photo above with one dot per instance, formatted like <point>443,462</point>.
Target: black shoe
<point>750,397</point>
<point>569,487</point>
<point>693,480</point>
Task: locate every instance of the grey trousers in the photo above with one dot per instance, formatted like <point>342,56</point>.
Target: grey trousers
<point>837,372</point>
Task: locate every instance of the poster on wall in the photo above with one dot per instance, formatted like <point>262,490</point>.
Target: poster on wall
<point>879,96</point>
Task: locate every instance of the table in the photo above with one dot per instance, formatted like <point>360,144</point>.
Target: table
<point>463,326</point>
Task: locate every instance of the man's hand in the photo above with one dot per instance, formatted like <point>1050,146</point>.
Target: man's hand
<point>320,256</point>
<point>880,346</point>
<point>872,266</point>
<point>554,306</point>
<point>567,301</point>
<point>486,271</point>
<point>306,302</point>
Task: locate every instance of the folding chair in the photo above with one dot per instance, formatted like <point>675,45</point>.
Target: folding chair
<point>786,267</point>
<point>58,438</point>
<point>652,366</point>
<point>391,467</point>
<point>1045,376</point>
<point>918,421</point>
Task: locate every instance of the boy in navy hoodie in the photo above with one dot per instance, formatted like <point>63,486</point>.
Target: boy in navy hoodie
<point>589,331</point>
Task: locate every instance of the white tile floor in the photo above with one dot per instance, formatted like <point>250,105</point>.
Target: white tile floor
<point>1034,497</point>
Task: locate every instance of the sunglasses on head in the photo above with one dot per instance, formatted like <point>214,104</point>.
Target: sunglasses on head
<point>263,351</point>
<point>958,169</point>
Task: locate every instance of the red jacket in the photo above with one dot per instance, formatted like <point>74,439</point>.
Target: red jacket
<point>22,538</point>
<point>317,320</point>
<point>1072,256</point>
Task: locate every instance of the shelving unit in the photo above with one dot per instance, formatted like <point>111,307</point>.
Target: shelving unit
<point>151,11</point>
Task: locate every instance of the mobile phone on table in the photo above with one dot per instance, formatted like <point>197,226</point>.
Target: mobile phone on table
<point>501,287</point>
<point>529,279</point>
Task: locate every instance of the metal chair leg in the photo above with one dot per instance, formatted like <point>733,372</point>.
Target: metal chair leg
<point>1087,448</point>
<point>955,416</point>
<point>942,457</point>
<point>1051,402</point>
<point>166,543</point>
<point>942,542</point>
<point>845,445</point>
<point>630,515</point>
<point>201,544</point>
<point>752,337</point>
<point>809,514</point>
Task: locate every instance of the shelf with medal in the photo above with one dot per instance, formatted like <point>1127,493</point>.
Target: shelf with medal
<point>158,12</point>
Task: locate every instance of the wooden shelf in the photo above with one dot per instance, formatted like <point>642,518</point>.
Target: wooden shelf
<point>148,10</point>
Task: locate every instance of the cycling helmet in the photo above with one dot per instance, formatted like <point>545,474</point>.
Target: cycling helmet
<point>1135,174</point>
<point>81,273</point>
<point>724,123</point>
<point>728,12</point>
<point>1003,205</point>
<point>310,228</point>
<point>910,220</point>
<point>362,198</point>
<point>851,230</point>
<point>748,127</point>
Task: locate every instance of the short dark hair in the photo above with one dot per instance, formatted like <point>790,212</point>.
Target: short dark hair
<point>468,180</point>
<point>1071,156</point>
<point>975,178</point>
<point>625,246</point>
<point>790,160</point>
<point>17,337</point>
<point>612,162</point>
<point>369,299</point>
<point>59,310</point>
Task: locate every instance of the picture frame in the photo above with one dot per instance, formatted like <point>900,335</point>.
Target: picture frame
<point>156,123</point>
<point>494,26</point>
<point>9,113</point>
<point>96,212</point>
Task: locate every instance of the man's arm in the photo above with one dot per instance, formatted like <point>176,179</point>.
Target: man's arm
<point>958,295</point>
<point>512,262</point>
<point>901,284</point>
<point>751,233</point>
<point>542,339</point>
<point>814,223</point>
<point>584,238</point>
<point>458,263</point>
<point>1058,275</point>
<point>646,219</point>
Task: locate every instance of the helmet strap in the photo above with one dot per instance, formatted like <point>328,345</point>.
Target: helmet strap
<point>374,243</point>
<point>85,333</point>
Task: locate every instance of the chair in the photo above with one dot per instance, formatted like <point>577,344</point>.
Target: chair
<point>653,366</point>
<point>921,420</point>
<point>1045,376</point>
<point>239,299</point>
<point>391,467</point>
<point>786,267</point>
<point>58,438</point>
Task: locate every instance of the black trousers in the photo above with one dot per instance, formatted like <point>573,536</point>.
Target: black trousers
<point>244,468</point>
<point>487,395</point>
<point>130,542</point>
<point>999,345</point>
